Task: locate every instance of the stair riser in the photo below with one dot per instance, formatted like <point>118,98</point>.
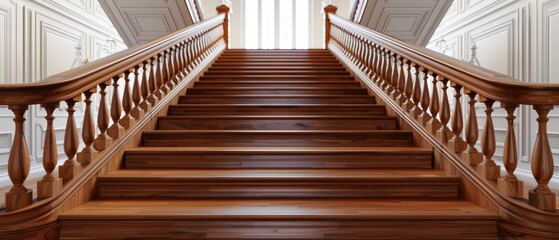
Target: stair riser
<point>189,110</point>
<point>283,78</point>
<point>277,72</point>
<point>316,68</point>
<point>271,91</point>
<point>277,84</point>
<point>280,229</point>
<point>275,188</point>
<point>213,160</point>
<point>395,139</point>
<point>275,124</point>
<point>275,100</point>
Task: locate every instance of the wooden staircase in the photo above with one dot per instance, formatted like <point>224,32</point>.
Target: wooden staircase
<point>276,144</point>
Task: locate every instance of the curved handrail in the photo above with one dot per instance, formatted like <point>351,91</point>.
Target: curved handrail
<point>68,84</point>
<point>485,82</point>
<point>415,83</point>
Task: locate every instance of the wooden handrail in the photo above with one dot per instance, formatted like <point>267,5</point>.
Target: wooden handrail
<point>163,63</point>
<point>68,84</point>
<point>485,82</point>
<point>410,79</point>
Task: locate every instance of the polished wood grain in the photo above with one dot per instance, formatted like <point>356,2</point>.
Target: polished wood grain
<point>279,158</point>
<point>276,109</point>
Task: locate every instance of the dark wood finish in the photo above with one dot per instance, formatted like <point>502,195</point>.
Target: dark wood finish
<point>277,109</point>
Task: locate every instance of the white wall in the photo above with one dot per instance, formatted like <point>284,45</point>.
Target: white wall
<point>518,38</point>
<point>37,39</point>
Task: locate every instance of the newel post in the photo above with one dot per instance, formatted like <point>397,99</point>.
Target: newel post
<point>225,10</point>
<point>327,25</point>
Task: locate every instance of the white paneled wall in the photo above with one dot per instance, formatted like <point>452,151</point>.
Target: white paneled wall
<point>38,39</point>
<point>518,38</point>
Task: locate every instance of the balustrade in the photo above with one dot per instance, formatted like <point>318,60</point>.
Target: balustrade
<point>145,77</point>
<point>419,81</point>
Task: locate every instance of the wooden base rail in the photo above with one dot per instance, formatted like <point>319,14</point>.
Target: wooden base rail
<point>419,82</point>
<point>146,73</point>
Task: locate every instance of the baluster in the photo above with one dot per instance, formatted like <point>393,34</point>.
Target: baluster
<point>182,65</point>
<point>163,74</point>
<point>380,73</point>
<point>147,91</point>
<point>71,168</point>
<point>88,153</point>
<point>404,67</point>
<point>424,117</point>
<point>156,80</point>
<point>489,168</point>
<point>407,105</point>
<point>394,78</point>
<point>542,164</point>
<point>471,155</point>
<point>189,55</point>
<point>116,130</point>
<point>509,184</point>
<point>18,164</point>
<point>137,112</point>
<point>457,143</point>
<point>369,59</point>
<point>375,63</point>
<point>50,184</point>
<point>103,140</point>
<point>386,76</point>
<point>389,88</point>
<point>127,121</point>
<point>416,94</point>
<point>444,132</point>
<point>433,125</point>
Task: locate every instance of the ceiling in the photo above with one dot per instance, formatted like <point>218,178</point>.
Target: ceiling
<point>414,21</point>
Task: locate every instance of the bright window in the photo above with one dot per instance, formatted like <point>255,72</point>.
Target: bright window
<point>280,24</point>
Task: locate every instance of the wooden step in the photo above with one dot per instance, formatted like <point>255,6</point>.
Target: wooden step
<point>279,219</point>
<point>278,84</point>
<point>276,64</point>
<point>277,138</point>
<point>278,109</point>
<point>276,91</point>
<point>277,183</point>
<point>253,77</point>
<point>276,99</point>
<point>286,71</point>
<point>276,60</point>
<point>279,158</point>
<point>276,68</point>
<point>233,122</point>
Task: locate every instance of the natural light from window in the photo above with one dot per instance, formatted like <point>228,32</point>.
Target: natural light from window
<point>290,31</point>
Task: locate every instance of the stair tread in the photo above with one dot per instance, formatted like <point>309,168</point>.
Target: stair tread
<point>275,209</point>
<point>400,175</point>
<point>276,117</point>
<point>303,132</point>
<point>278,150</point>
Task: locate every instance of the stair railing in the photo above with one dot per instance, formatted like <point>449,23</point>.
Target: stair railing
<point>416,83</point>
<point>148,73</point>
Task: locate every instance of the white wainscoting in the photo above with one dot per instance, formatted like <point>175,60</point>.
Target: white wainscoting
<point>38,39</point>
<point>517,38</point>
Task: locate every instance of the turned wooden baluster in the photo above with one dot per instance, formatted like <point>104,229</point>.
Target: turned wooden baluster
<point>375,63</point>
<point>542,164</point>
<point>416,93</point>
<point>71,168</point>
<point>489,168</point>
<point>457,143</point>
<point>394,78</point>
<point>127,121</point>
<point>381,62</point>
<point>407,105</point>
<point>137,112</point>
<point>400,95</point>
<point>424,117</point>
<point>433,125</point>
<point>509,184</point>
<point>471,155</point>
<point>370,61</point>
<point>88,153</point>
<point>103,140</point>
<point>444,133</point>
<point>189,55</point>
<point>162,74</point>
<point>183,62</point>
<point>18,164</point>
<point>50,184</point>
<point>390,74</point>
<point>147,90</point>
<point>155,78</point>
<point>116,130</point>
<point>386,71</point>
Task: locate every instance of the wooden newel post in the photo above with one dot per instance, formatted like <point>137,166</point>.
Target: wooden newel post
<point>225,9</point>
<point>542,164</point>
<point>327,25</point>
<point>18,164</point>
